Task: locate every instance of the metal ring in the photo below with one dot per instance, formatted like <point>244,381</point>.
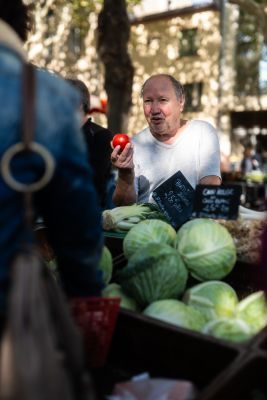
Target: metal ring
<point>24,187</point>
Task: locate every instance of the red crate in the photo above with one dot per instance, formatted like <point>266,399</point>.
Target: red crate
<point>96,317</point>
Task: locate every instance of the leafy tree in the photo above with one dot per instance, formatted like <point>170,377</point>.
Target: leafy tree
<point>248,55</point>
<point>251,45</point>
<point>258,8</point>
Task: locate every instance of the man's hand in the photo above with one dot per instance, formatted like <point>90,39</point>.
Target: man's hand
<point>123,160</point>
<point>124,193</point>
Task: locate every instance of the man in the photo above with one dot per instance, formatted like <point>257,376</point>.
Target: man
<point>68,203</point>
<point>169,144</point>
<point>251,160</point>
<point>98,145</point>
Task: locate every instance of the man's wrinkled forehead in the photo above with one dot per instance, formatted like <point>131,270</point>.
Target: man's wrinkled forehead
<point>159,84</point>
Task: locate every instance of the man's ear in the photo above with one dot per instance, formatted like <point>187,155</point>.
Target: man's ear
<point>182,103</point>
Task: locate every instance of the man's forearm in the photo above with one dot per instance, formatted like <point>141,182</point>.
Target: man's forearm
<point>210,180</point>
<point>124,193</point>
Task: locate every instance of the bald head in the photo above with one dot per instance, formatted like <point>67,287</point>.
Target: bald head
<point>177,86</point>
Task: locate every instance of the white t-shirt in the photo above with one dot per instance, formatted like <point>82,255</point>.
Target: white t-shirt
<point>196,153</point>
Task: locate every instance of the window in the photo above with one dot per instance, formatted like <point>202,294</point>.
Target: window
<point>188,42</point>
<point>193,93</point>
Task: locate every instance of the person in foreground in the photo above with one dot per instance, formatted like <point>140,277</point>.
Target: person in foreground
<point>98,144</point>
<point>68,204</point>
<point>169,144</point>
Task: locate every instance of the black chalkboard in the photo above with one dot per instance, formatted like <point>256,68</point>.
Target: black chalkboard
<point>217,202</point>
<point>175,199</point>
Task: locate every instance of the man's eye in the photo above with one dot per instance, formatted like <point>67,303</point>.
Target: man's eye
<point>163,100</point>
<point>147,101</point>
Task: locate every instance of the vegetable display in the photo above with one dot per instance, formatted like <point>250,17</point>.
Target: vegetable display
<point>207,249</point>
<point>247,235</point>
<point>232,329</point>
<point>148,231</point>
<point>115,290</point>
<point>105,265</point>
<point>159,261</point>
<point>123,218</point>
<point>177,313</point>
<point>253,310</point>
<point>214,299</point>
<point>157,272</point>
<point>256,176</point>
<point>247,213</point>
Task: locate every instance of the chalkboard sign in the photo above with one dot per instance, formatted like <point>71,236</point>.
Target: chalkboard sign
<point>175,199</point>
<point>217,202</point>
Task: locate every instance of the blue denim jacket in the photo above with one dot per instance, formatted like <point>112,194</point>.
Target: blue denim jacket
<point>68,203</point>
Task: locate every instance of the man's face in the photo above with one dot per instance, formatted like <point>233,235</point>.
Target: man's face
<point>162,109</point>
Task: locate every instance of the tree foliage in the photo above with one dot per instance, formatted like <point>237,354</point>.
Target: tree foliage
<point>258,8</point>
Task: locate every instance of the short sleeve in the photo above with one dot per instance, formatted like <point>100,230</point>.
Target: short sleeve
<point>209,152</point>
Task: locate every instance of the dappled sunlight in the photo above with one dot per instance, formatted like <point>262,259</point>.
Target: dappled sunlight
<point>164,36</point>
<point>171,52</point>
<point>155,46</point>
<point>82,64</point>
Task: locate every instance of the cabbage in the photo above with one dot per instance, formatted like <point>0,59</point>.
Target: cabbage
<point>156,272</point>
<point>148,231</point>
<point>213,299</point>
<point>255,176</point>
<point>105,265</point>
<point>115,290</point>
<point>177,313</point>
<point>207,248</point>
<point>253,310</point>
<point>232,329</point>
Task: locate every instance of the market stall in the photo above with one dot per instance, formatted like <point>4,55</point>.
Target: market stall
<point>219,366</point>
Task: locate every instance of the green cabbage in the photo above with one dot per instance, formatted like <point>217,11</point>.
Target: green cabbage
<point>253,310</point>
<point>153,273</point>
<point>213,299</point>
<point>207,248</point>
<point>115,290</point>
<point>177,313</point>
<point>148,231</point>
<point>232,329</point>
<point>105,265</point>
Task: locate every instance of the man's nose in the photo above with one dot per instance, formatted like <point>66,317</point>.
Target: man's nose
<point>155,109</point>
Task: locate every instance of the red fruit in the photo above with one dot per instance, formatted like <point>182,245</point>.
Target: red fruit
<point>104,103</point>
<point>121,139</point>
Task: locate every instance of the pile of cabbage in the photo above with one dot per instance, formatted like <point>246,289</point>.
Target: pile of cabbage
<point>113,289</point>
<point>213,308</point>
<point>155,280</point>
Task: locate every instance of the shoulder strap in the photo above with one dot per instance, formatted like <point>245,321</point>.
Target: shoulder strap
<point>28,112</point>
<point>27,134</point>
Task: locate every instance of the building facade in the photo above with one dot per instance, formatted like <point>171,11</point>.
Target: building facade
<point>200,42</point>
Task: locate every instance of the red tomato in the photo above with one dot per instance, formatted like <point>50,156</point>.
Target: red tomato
<point>104,103</point>
<point>121,139</point>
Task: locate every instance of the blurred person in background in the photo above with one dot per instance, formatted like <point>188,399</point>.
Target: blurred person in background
<point>169,144</point>
<point>99,150</point>
<point>251,161</point>
<point>264,160</point>
<point>68,204</point>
